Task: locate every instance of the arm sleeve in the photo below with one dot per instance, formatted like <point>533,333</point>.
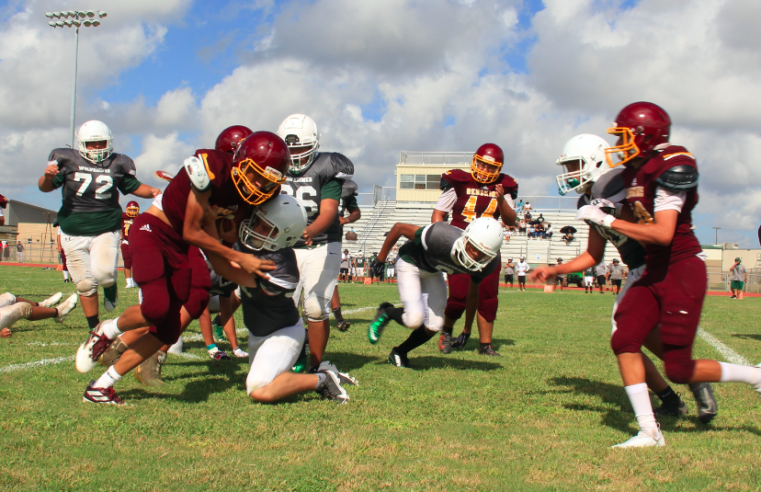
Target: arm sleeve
<point>332,190</point>
<point>58,180</point>
<point>350,203</point>
<point>446,201</point>
<point>129,184</point>
<point>668,200</point>
<point>419,236</point>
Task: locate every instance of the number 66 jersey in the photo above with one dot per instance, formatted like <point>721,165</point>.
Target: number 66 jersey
<point>91,191</point>
<point>470,199</point>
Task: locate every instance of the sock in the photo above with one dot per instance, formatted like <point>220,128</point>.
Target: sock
<point>417,338</point>
<point>734,373</point>
<point>320,380</point>
<point>65,275</point>
<point>643,409</point>
<point>110,329</point>
<point>239,352</point>
<point>396,313</point>
<point>93,321</point>
<point>212,348</point>
<point>108,379</point>
<point>668,396</point>
<point>337,314</point>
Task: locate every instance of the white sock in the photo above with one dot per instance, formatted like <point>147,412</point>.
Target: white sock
<point>321,380</point>
<point>65,275</point>
<point>110,329</point>
<point>734,373</point>
<point>108,379</point>
<point>239,352</point>
<point>643,408</point>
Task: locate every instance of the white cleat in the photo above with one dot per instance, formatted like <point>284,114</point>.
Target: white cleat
<point>66,307</point>
<point>642,440</point>
<point>342,376</point>
<point>89,352</point>
<point>240,353</point>
<point>51,301</point>
<point>758,386</point>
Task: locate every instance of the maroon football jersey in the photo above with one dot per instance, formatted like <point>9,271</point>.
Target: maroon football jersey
<point>224,195</point>
<point>641,187</point>
<point>475,199</point>
<point>126,224</point>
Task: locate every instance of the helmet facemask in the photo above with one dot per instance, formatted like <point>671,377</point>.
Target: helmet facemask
<point>464,247</point>
<point>250,190</point>
<point>133,210</point>
<point>91,132</point>
<point>258,232</point>
<point>302,154</point>
<point>625,149</point>
<point>485,169</point>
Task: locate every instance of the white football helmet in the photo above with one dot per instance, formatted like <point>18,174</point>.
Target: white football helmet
<point>95,131</point>
<point>583,160</point>
<point>485,235</point>
<point>300,132</point>
<point>286,219</point>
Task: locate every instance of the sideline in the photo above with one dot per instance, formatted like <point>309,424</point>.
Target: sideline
<point>725,351</point>
<point>37,363</point>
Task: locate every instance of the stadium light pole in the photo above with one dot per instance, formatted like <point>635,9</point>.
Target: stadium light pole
<point>717,235</point>
<point>75,19</point>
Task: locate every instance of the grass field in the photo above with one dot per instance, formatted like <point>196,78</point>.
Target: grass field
<point>542,417</point>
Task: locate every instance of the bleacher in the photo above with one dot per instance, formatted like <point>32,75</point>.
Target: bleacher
<point>378,219</point>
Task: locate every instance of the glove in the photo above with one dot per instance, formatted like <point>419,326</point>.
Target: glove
<point>594,215</point>
<point>607,206</point>
<point>378,269</point>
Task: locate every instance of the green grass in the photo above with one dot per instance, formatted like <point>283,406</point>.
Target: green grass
<point>542,417</point>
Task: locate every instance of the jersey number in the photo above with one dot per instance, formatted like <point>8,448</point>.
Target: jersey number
<point>469,212</point>
<point>643,216</point>
<point>303,195</point>
<point>100,193</point>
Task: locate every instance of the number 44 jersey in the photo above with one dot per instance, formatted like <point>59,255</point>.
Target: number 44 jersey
<point>323,179</point>
<point>474,199</point>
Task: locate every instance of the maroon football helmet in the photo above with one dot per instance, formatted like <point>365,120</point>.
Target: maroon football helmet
<point>487,163</point>
<point>259,166</point>
<point>231,137</point>
<point>133,209</point>
<point>640,126</point>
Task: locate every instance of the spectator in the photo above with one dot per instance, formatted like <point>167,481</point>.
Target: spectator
<point>522,226</point>
<point>6,251</point>
<point>528,206</point>
<point>371,262</point>
<point>739,276</point>
<point>353,270</point>
<point>616,274</point>
<point>531,230</point>
<point>508,234</point>
<point>509,273</point>
<point>351,235</point>
<point>390,269</point>
<point>360,260</point>
<point>519,207</point>
<point>539,231</point>
<point>345,265</point>
<point>600,271</point>
<point>540,219</point>
<point>20,252</point>
<point>559,278</point>
<point>568,237</point>
<point>527,216</point>
<point>548,232</point>
<point>589,280</point>
<point>522,268</point>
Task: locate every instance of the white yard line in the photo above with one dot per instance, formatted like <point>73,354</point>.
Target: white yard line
<point>37,363</point>
<point>729,354</point>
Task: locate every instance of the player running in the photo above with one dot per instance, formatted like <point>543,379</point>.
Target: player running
<point>90,215</point>
<point>133,210</point>
<point>661,191</point>
<point>430,252</point>
<point>588,173</point>
<point>483,192</point>
<point>348,203</point>
<point>168,266</point>
<point>316,180</point>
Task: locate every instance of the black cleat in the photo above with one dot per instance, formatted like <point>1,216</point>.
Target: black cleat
<point>343,325</point>
<point>488,351</point>
<point>445,342</point>
<point>461,340</point>
<point>706,402</point>
<point>398,359</point>
<point>676,409</point>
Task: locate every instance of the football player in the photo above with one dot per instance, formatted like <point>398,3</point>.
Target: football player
<point>316,180</point>
<point>348,203</point>
<point>3,204</point>
<point>276,332</point>
<point>588,173</point>
<point>14,308</point>
<point>133,210</point>
<point>430,252</point>
<point>661,191</point>
<point>483,192</point>
<point>90,216</point>
<point>168,266</point>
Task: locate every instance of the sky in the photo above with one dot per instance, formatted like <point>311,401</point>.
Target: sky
<point>384,76</point>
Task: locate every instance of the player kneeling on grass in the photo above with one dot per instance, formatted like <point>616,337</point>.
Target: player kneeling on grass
<point>276,332</point>
<point>14,308</point>
<point>432,251</point>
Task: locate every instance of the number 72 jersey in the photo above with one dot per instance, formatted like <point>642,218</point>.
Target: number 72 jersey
<point>475,199</point>
<point>92,187</point>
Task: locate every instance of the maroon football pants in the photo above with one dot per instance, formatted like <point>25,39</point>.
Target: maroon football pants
<point>488,290</point>
<point>672,297</point>
<point>126,256</point>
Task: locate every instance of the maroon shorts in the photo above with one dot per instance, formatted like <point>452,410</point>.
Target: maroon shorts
<point>126,256</point>
<point>671,297</point>
<point>488,290</point>
<point>163,270</point>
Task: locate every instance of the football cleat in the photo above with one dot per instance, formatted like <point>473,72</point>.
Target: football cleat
<point>343,325</point>
<point>342,376</point>
<point>380,322</point>
<point>445,342</point>
<point>110,297</point>
<point>104,396</point>
<point>676,409</point>
<point>332,389</point>
<point>90,351</point>
<point>149,372</point>
<point>66,307</point>
<point>51,301</point>
<point>706,402</point>
<point>113,353</point>
<point>301,363</point>
<point>219,331</point>
<point>398,359</point>
<point>240,353</point>
<point>218,355</point>
<point>488,351</point>
<point>642,440</point>
<point>461,340</point>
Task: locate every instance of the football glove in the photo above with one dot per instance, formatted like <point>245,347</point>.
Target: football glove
<point>607,206</point>
<point>378,269</point>
<point>593,215</point>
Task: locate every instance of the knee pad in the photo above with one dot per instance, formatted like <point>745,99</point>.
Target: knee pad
<point>155,300</point>
<point>487,308</point>
<point>197,301</point>
<point>454,309</point>
<point>7,299</point>
<point>434,323</point>
<point>678,363</point>
<point>14,312</point>
<point>413,319</point>
<point>104,278</point>
<point>316,308</point>
<point>86,287</point>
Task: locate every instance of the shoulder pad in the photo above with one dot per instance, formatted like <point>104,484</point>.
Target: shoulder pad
<point>342,167</point>
<point>583,200</point>
<point>127,164</point>
<point>200,176</point>
<point>610,186</point>
<point>679,178</point>
<point>348,189</point>
<point>458,175</point>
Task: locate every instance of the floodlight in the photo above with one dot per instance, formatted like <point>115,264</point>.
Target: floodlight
<point>76,23</point>
<point>60,23</point>
<point>90,14</point>
<point>101,14</point>
<point>82,13</point>
<point>87,23</point>
<point>52,23</point>
<point>49,15</point>
<point>95,23</point>
<point>56,14</point>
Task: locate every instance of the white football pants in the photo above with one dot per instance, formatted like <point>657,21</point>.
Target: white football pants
<point>91,260</point>
<point>424,295</point>
<point>273,355</point>
<point>318,270</point>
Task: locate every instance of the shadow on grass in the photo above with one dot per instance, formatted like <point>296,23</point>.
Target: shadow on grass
<point>622,417</point>
<point>194,392</point>
<point>496,344</point>
<point>747,336</point>
<point>346,361</point>
<point>427,362</point>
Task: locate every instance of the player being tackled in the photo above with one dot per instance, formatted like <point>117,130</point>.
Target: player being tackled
<point>430,252</point>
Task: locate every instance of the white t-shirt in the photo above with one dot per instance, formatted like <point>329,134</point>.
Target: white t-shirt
<point>668,200</point>
<point>522,268</point>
